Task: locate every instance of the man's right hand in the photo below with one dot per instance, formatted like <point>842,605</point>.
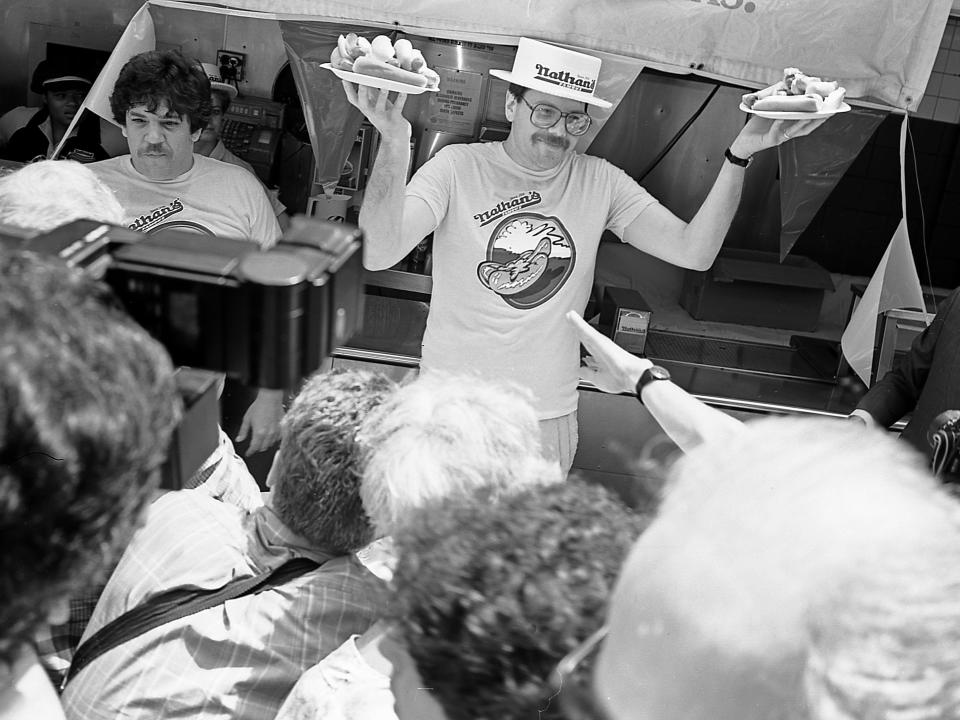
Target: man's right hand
<point>387,117</point>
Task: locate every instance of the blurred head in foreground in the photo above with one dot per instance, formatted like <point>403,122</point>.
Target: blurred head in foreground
<point>47,194</point>
<point>443,436</point>
<point>491,593</point>
<point>87,406</point>
<point>809,569</point>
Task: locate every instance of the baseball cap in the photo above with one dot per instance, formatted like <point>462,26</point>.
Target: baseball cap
<point>58,74</point>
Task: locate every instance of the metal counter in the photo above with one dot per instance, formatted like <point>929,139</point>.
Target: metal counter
<point>738,376</point>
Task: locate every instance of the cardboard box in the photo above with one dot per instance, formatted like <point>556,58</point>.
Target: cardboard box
<point>627,315</point>
<point>750,287</point>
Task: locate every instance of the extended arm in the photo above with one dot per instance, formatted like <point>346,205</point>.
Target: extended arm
<point>695,244</point>
<point>685,420</point>
<point>897,392</point>
<point>392,223</point>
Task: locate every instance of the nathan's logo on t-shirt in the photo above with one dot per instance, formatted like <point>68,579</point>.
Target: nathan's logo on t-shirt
<point>156,216</point>
<point>529,258</point>
<point>564,78</point>
<point>504,207</point>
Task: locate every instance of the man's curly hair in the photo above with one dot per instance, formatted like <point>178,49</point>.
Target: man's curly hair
<point>163,76</point>
<point>87,406</point>
<point>316,481</point>
<point>490,595</point>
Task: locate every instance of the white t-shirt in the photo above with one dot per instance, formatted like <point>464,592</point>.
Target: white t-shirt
<point>514,250</point>
<point>211,198</point>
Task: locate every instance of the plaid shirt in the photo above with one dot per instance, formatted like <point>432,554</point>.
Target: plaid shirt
<point>224,476</point>
<point>237,660</point>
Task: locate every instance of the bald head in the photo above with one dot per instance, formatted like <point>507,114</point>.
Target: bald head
<point>793,573</point>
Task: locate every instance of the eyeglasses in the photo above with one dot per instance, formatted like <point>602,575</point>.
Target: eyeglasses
<point>574,689</point>
<point>546,116</point>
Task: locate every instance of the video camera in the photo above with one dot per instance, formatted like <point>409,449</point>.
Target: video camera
<point>266,318</point>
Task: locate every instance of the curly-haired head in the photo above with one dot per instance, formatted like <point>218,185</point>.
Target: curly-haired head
<point>806,569</point>
<point>444,435</point>
<point>87,406</point>
<point>491,593</point>
<point>157,76</point>
<point>316,475</point>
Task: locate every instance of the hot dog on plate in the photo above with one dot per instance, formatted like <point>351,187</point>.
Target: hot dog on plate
<point>366,65</point>
<point>789,103</point>
<point>399,62</point>
<point>796,92</point>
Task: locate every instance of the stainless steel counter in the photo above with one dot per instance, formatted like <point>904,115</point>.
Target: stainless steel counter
<point>768,379</point>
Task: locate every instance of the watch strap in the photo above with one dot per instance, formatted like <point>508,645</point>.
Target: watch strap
<point>651,374</point>
<point>742,162</point>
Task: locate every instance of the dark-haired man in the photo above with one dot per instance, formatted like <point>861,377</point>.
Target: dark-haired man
<point>491,593</point>
<point>162,100</point>
<point>516,226</point>
<point>87,406</point>
<point>239,659</point>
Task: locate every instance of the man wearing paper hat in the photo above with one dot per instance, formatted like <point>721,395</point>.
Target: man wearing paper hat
<point>516,226</point>
<point>211,145</point>
<point>63,85</point>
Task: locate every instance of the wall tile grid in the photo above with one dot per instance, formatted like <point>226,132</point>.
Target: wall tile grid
<point>941,99</point>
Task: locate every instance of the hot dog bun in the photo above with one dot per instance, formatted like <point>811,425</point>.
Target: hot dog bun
<point>750,98</point>
<point>366,65</point>
<point>788,103</point>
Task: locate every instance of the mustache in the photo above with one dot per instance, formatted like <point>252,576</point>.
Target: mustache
<point>150,149</point>
<point>558,142</point>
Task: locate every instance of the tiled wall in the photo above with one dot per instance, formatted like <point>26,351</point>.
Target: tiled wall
<point>941,100</point>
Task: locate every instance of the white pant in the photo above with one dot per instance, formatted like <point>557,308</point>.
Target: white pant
<point>559,437</point>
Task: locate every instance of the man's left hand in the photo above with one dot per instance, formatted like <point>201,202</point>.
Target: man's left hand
<point>261,421</point>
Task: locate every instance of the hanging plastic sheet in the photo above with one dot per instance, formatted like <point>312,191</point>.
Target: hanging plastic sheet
<point>878,49</point>
<point>811,166</point>
<point>332,122</point>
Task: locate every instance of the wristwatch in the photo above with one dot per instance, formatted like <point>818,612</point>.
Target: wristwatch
<point>651,374</point>
<point>742,162</point>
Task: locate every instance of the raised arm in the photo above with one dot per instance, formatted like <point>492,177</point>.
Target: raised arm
<point>392,224</point>
<point>685,420</point>
<point>695,244</point>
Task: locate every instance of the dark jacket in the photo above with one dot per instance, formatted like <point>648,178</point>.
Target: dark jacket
<point>29,143</point>
<point>926,380</point>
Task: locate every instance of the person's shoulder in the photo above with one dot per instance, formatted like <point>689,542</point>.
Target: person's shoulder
<point>220,171</point>
<point>595,163</point>
<point>458,151</point>
<point>208,165</point>
<point>191,504</point>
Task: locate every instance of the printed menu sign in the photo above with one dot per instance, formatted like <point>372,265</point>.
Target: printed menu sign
<point>456,107</point>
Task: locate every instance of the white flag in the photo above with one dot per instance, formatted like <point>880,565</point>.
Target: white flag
<point>138,37</point>
<point>894,285</point>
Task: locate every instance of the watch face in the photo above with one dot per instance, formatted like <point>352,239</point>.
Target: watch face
<point>659,373</point>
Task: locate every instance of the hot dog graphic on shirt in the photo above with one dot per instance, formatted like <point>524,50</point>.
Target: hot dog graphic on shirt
<point>529,258</point>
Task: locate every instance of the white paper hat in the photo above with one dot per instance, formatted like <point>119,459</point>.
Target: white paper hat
<point>555,71</point>
<point>217,82</point>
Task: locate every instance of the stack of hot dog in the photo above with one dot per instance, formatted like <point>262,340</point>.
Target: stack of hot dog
<point>797,93</point>
<point>382,58</point>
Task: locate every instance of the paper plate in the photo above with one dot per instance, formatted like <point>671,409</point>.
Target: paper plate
<point>377,82</point>
<point>784,115</point>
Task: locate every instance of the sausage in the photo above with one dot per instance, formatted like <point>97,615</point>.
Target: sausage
<point>366,65</point>
<point>789,103</point>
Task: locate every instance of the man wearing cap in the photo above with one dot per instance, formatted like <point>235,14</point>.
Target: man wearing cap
<point>63,87</point>
<point>517,224</point>
<point>162,100</point>
<point>211,145</point>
